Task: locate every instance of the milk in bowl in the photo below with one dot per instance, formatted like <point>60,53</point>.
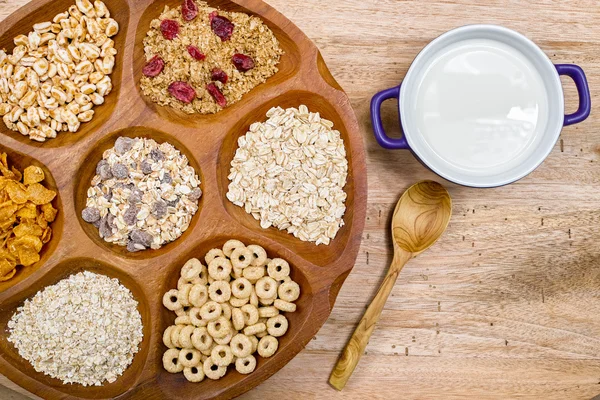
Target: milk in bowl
<point>481,106</point>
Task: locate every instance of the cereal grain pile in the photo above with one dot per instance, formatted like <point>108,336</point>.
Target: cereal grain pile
<point>143,195</point>
<point>25,214</point>
<point>201,60</point>
<point>289,172</point>
<point>227,311</point>
<point>58,72</point>
<point>85,329</point>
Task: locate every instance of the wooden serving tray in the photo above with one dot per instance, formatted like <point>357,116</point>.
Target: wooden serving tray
<point>209,142</point>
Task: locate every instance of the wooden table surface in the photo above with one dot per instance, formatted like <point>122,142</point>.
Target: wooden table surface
<point>507,304</point>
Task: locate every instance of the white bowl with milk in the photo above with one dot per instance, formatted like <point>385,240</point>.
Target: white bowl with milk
<point>481,106</point>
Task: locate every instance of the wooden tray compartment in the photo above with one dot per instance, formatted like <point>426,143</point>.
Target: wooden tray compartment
<point>209,142</point>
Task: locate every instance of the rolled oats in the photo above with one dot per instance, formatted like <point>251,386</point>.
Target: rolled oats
<point>289,172</point>
<point>85,329</point>
<point>144,194</point>
<point>196,50</point>
<point>52,65</point>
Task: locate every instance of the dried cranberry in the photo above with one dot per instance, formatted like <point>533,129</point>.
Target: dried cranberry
<point>221,26</point>
<point>182,91</point>
<point>242,62</point>
<point>153,67</point>
<point>169,29</point>
<point>217,74</point>
<point>216,94</point>
<point>189,10</point>
<point>195,53</point>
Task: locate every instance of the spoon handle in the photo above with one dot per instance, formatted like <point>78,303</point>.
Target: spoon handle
<point>355,347</point>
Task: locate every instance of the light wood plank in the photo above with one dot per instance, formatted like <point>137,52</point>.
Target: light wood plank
<point>505,305</point>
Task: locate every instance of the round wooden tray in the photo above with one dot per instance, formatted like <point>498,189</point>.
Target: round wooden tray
<point>209,142</point>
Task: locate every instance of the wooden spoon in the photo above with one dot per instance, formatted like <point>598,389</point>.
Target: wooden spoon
<point>421,216</point>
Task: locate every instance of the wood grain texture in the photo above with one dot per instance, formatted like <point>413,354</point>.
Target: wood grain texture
<point>419,220</point>
<point>506,304</point>
<point>209,142</point>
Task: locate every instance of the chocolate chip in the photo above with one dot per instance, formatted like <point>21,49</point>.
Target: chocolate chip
<point>135,196</point>
<point>131,247</point>
<point>146,167</point>
<point>159,209</point>
<point>195,194</point>
<point>120,171</point>
<point>99,166</point>
<point>90,214</point>
<point>123,145</point>
<point>141,237</point>
<point>110,220</point>
<point>130,216</point>
<point>103,169</point>
<point>157,155</point>
<point>166,178</point>
<point>104,229</point>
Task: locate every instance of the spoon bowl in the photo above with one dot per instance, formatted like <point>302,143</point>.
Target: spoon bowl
<point>420,218</point>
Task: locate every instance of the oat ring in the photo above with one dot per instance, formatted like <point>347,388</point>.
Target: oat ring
<point>212,254</point>
<point>277,326</point>
<point>198,295</point>
<point>253,274</point>
<point>226,339</point>
<point>278,269</point>
<point>219,291</point>
<point>194,374</point>
<point>175,335</point>
<point>283,305</point>
<point>250,314</point>
<point>201,339</point>
<point>255,329</point>
<point>210,311</point>
<point>237,318</point>
<point>267,346</point>
<point>219,269</point>
<point>219,328</point>
<point>289,291</point>
<point>191,269</point>
<point>183,320</point>
<point>267,312</point>
<point>167,337</point>
<point>171,362</point>
<point>212,370</point>
<point>237,303</point>
<point>226,310</point>
<point>184,294</point>
<point>245,365</point>
<point>241,288</point>
<point>171,300</point>
<point>241,346</point>
<point>196,318</point>
<point>241,257</point>
<point>254,341</point>
<point>266,288</point>
<point>222,355</point>
<point>189,357</point>
<point>185,338</point>
<point>259,255</point>
<point>231,245</point>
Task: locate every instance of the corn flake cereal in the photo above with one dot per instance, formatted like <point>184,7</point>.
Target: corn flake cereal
<point>25,212</point>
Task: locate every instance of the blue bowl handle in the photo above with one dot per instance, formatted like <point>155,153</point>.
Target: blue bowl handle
<point>382,138</point>
<point>576,73</point>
